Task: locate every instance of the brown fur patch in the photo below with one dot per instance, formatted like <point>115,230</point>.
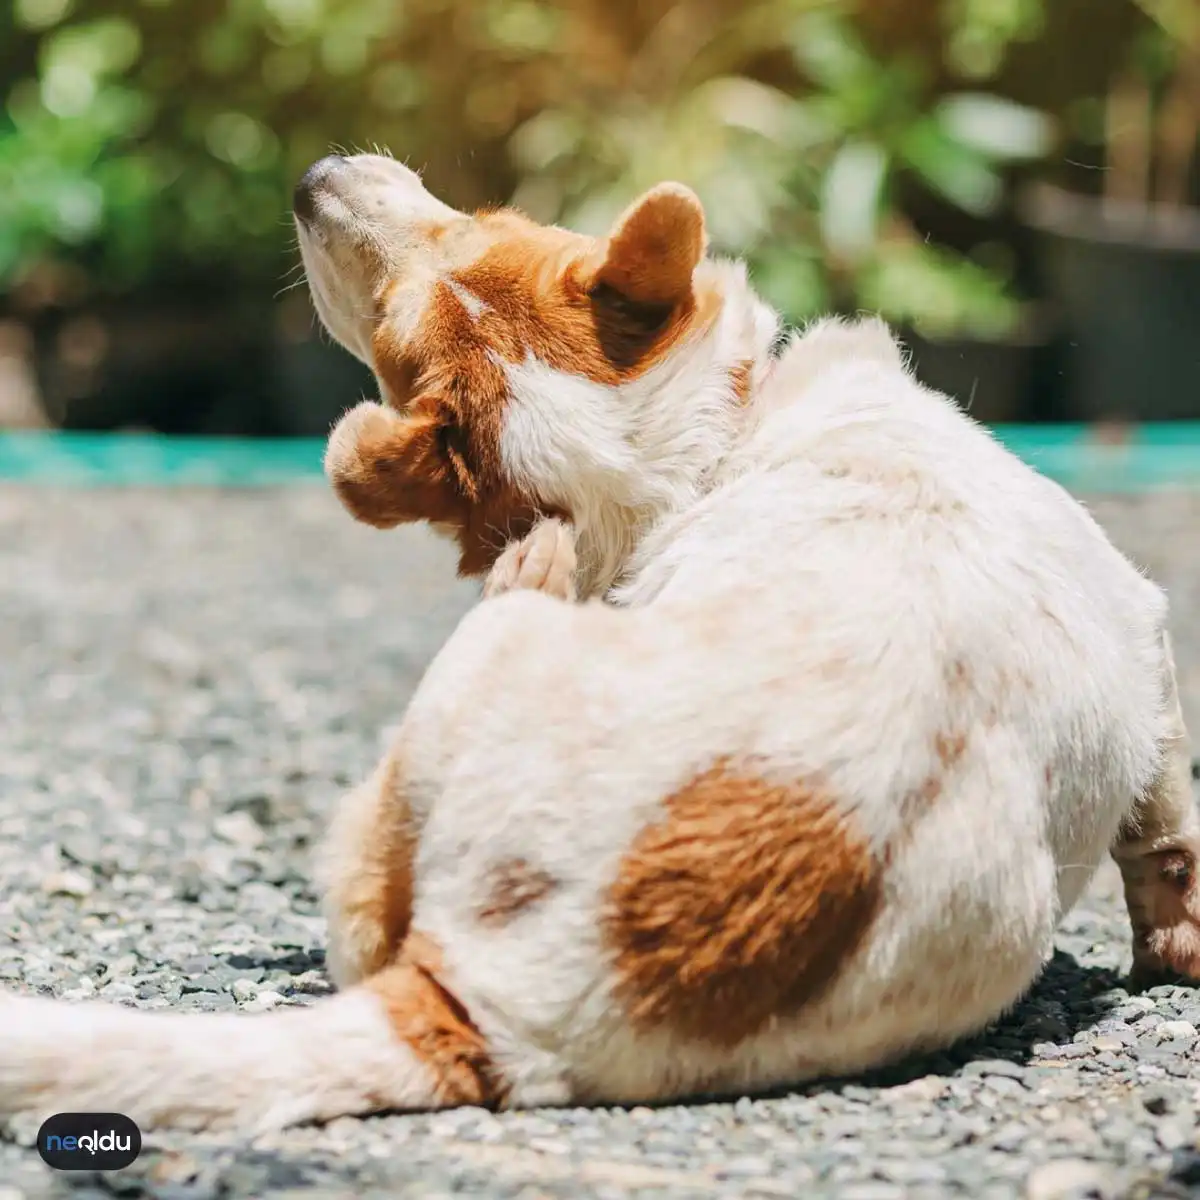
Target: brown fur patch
<point>387,469</point>
<point>546,295</point>
<point>741,905</point>
<point>950,747</point>
<point>652,252</point>
<point>958,675</point>
<point>513,886</point>
<point>434,1024</point>
<point>740,378</point>
<point>374,890</point>
<point>544,292</point>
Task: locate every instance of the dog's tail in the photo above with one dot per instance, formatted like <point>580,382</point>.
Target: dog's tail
<point>397,1041</point>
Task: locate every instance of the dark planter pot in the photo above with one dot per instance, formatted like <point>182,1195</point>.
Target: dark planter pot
<point>171,366</point>
<point>1125,280</point>
<point>994,381</point>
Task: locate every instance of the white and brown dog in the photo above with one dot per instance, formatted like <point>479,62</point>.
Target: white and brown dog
<point>795,716</point>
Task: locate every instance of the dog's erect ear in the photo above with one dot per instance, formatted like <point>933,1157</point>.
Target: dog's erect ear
<point>388,468</point>
<point>653,249</point>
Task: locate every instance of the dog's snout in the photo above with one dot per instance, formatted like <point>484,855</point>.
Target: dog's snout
<point>304,196</point>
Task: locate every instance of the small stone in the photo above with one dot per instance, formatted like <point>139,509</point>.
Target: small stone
<point>244,989</point>
<point>200,983</point>
<point>870,1190</point>
<point>312,983</point>
<point>264,1001</point>
<point>173,1166</point>
<point>744,1167</point>
<point>67,883</point>
<point>1010,1137</point>
<point>1046,1050</point>
<point>238,828</point>
<point>1171,1136</point>
<point>924,1090</point>
<point>1158,1103</point>
<point>1001,1085</point>
<point>84,991</point>
<point>189,883</point>
<point>1134,1007</point>
<point>1070,1179</point>
<point>1167,991</point>
<point>118,990</point>
<point>1106,1042</point>
<point>207,1001</point>
<point>994,1066</point>
<point>911,1171</point>
<point>1175,1031</point>
<point>1185,1167</point>
<point>120,967</point>
<point>199,964</point>
<point>79,846</point>
<point>558,1147</point>
<point>1071,1130</point>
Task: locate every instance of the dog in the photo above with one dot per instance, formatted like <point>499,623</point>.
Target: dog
<point>795,714</point>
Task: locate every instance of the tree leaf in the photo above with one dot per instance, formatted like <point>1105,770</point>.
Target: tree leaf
<point>851,196</point>
<point>956,172</point>
<point>998,128</point>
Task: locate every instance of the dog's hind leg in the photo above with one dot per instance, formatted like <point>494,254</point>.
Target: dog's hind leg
<point>1159,856</point>
<point>365,868</point>
<point>365,871</point>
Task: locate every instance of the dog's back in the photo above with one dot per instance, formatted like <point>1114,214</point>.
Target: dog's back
<point>858,682</point>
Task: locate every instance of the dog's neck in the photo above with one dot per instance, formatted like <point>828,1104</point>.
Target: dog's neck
<point>703,423</point>
<point>626,466</point>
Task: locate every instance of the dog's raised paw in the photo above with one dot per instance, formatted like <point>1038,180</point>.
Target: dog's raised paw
<point>543,561</point>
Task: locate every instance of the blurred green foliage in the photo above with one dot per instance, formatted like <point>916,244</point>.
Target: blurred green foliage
<point>143,141</point>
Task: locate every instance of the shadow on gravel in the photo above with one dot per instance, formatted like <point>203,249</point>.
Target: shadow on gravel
<point>1066,998</point>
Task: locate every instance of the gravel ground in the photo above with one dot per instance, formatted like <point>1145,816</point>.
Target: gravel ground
<point>189,680</point>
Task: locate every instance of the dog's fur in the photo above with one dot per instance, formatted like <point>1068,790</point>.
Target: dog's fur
<point>796,714</point>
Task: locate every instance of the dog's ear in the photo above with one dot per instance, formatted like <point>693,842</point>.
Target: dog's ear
<point>387,468</point>
<point>649,256</point>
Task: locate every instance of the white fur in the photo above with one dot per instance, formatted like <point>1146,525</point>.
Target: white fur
<point>210,1071</point>
<point>615,458</point>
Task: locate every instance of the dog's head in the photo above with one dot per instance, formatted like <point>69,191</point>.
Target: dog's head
<point>525,369</point>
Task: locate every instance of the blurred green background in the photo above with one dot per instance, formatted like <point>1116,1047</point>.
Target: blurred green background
<point>1013,183</point>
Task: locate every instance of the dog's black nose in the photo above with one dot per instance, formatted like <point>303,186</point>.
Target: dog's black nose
<point>304,196</point>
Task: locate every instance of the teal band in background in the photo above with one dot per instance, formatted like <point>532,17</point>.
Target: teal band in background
<point>1083,458</point>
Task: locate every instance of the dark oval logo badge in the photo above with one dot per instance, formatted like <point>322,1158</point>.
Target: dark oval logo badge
<point>89,1141</point>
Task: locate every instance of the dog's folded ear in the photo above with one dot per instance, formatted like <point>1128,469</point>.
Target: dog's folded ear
<point>388,468</point>
<point>649,256</point>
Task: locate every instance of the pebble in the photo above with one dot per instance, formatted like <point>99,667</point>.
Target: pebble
<point>1171,1135</point>
<point>264,1001</point>
<point>1175,1031</point>
<point>68,883</point>
<point>1070,1179</point>
<point>244,989</point>
<point>995,1067</point>
<point>239,828</point>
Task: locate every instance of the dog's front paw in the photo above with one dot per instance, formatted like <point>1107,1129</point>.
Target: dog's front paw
<point>544,561</point>
<point>1162,890</point>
